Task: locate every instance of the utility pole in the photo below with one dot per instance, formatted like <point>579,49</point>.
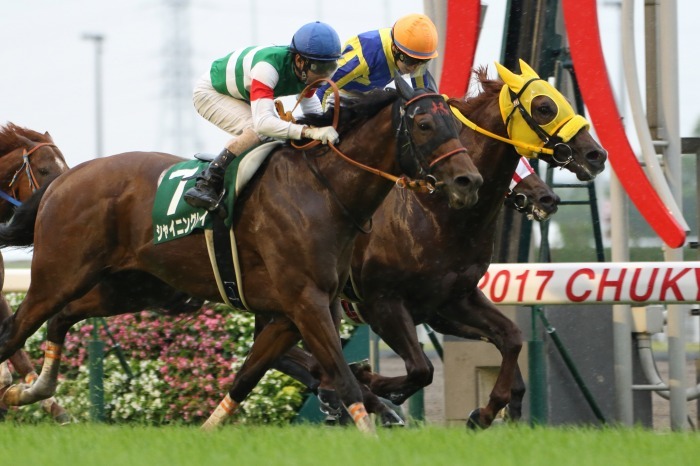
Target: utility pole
<point>95,346</point>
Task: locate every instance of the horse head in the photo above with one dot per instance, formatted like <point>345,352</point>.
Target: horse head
<point>28,160</point>
<point>534,198</point>
<point>538,115</point>
<point>428,142</point>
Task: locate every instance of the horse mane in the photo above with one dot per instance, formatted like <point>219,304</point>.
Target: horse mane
<point>354,111</point>
<point>489,91</point>
<point>10,137</point>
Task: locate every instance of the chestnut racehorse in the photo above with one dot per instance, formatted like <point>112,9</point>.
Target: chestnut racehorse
<point>295,226</point>
<point>28,160</point>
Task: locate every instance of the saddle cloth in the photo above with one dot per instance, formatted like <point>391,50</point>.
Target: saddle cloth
<point>174,218</point>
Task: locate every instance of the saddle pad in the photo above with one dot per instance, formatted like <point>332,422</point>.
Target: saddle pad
<point>174,218</point>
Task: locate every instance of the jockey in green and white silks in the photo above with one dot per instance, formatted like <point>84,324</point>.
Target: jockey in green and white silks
<point>237,95</point>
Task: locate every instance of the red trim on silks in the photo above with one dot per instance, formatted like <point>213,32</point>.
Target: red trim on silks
<point>461,37</point>
<point>259,90</point>
<point>589,64</point>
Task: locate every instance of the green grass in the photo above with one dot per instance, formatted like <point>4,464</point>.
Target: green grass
<point>91,445</point>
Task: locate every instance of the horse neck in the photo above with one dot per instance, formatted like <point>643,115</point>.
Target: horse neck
<point>495,160</point>
<point>9,164</point>
<point>373,144</point>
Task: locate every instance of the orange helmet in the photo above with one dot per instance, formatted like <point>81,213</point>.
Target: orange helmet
<point>416,36</point>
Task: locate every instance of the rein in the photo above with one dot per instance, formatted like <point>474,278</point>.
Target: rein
<point>470,124</point>
<point>27,168</point>
<point>400,181</point>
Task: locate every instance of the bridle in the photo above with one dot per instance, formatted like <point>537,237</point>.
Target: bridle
<point>411,157</point>
<point>551,141</point>
<point>427,184</point>
<point>553,144</point>
<point>26,167</point>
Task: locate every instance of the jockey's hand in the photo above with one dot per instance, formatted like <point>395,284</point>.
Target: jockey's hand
<point>324,134</point>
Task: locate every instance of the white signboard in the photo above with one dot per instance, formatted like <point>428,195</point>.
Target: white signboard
<point>593,283</point>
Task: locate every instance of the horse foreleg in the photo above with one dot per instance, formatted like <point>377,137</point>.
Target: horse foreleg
<point>319,333</point>
<point>273,340</point>
<point>394,324</point>
<point>475,317</point>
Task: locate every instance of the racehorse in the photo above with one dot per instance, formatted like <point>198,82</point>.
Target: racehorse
<point>295,225</point>
<point>422,262</point>
<point>28,160</point>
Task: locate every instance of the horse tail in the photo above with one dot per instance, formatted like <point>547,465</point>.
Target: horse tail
<point>19,231</point>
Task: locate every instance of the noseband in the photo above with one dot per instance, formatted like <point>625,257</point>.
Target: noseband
<point>31,178</point>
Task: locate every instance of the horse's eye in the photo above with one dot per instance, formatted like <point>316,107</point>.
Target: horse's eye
<point>424,126</point>
<point>44,171</point>
<point>544,110</point>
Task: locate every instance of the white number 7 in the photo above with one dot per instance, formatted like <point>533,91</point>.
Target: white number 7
<point>177,195</point>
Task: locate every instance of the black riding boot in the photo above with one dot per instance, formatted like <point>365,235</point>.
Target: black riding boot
<point>206,192</point>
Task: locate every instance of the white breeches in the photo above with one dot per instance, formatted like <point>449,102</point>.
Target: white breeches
<point>229,114</point>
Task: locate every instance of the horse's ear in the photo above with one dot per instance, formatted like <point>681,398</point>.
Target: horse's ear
<point>430,83</point>
<point>48,136</point>
<point>526,71</point>
<point>514,82</point>
<point>405,90</point>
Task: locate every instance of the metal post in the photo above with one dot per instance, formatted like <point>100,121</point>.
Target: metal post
<point>95,346</point>
<point>96,368</point>
<point>669,119</point>
<point>538,394</point>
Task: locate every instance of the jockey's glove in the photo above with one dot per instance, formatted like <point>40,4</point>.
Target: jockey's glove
<point>324,134</point>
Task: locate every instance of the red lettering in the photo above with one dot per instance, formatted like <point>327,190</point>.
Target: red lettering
<point>616,284</point>
<point>547,274</point>
<point>671,283</point>
<point>504,289</point>
<point>697,283</point>
<point>522,278</point>
<point>570,285</point>
<point>650,285</point>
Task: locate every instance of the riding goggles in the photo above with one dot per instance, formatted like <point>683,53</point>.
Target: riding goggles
<point>323,67</point>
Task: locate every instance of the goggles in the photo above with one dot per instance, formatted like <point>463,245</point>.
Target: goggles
<point>323,67</point>
<point>411,61</point>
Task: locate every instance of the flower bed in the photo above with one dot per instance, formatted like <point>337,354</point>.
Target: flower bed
<point>182,367</point>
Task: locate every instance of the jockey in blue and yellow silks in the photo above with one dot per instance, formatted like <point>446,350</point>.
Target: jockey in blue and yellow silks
<point>370,59</point>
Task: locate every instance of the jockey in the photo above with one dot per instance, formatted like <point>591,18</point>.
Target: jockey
<point>237,96</point>
<point>370,59</point>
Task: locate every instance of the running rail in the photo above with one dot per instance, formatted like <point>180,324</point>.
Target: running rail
<point>589,64</point>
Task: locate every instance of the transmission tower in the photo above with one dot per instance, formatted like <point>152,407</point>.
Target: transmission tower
<point>177,128</point>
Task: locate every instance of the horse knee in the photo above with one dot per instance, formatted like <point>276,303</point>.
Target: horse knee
<point>421,374</point>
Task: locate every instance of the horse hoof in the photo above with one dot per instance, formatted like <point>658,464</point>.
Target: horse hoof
<point>63,419</point>
<point>392,419</point>
<point>5,375</point>
<point>473,421</point>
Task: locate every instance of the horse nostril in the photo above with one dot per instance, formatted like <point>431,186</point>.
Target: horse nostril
<point>469,181</point>
<point>596,156</point>
<point>547,200</point>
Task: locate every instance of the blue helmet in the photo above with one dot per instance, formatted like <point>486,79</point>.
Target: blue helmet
<point>316,41</point>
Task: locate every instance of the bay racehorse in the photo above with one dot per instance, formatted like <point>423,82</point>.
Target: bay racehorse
<point>28,160</point>
<point>294,232</point>
<point>422,262</point>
